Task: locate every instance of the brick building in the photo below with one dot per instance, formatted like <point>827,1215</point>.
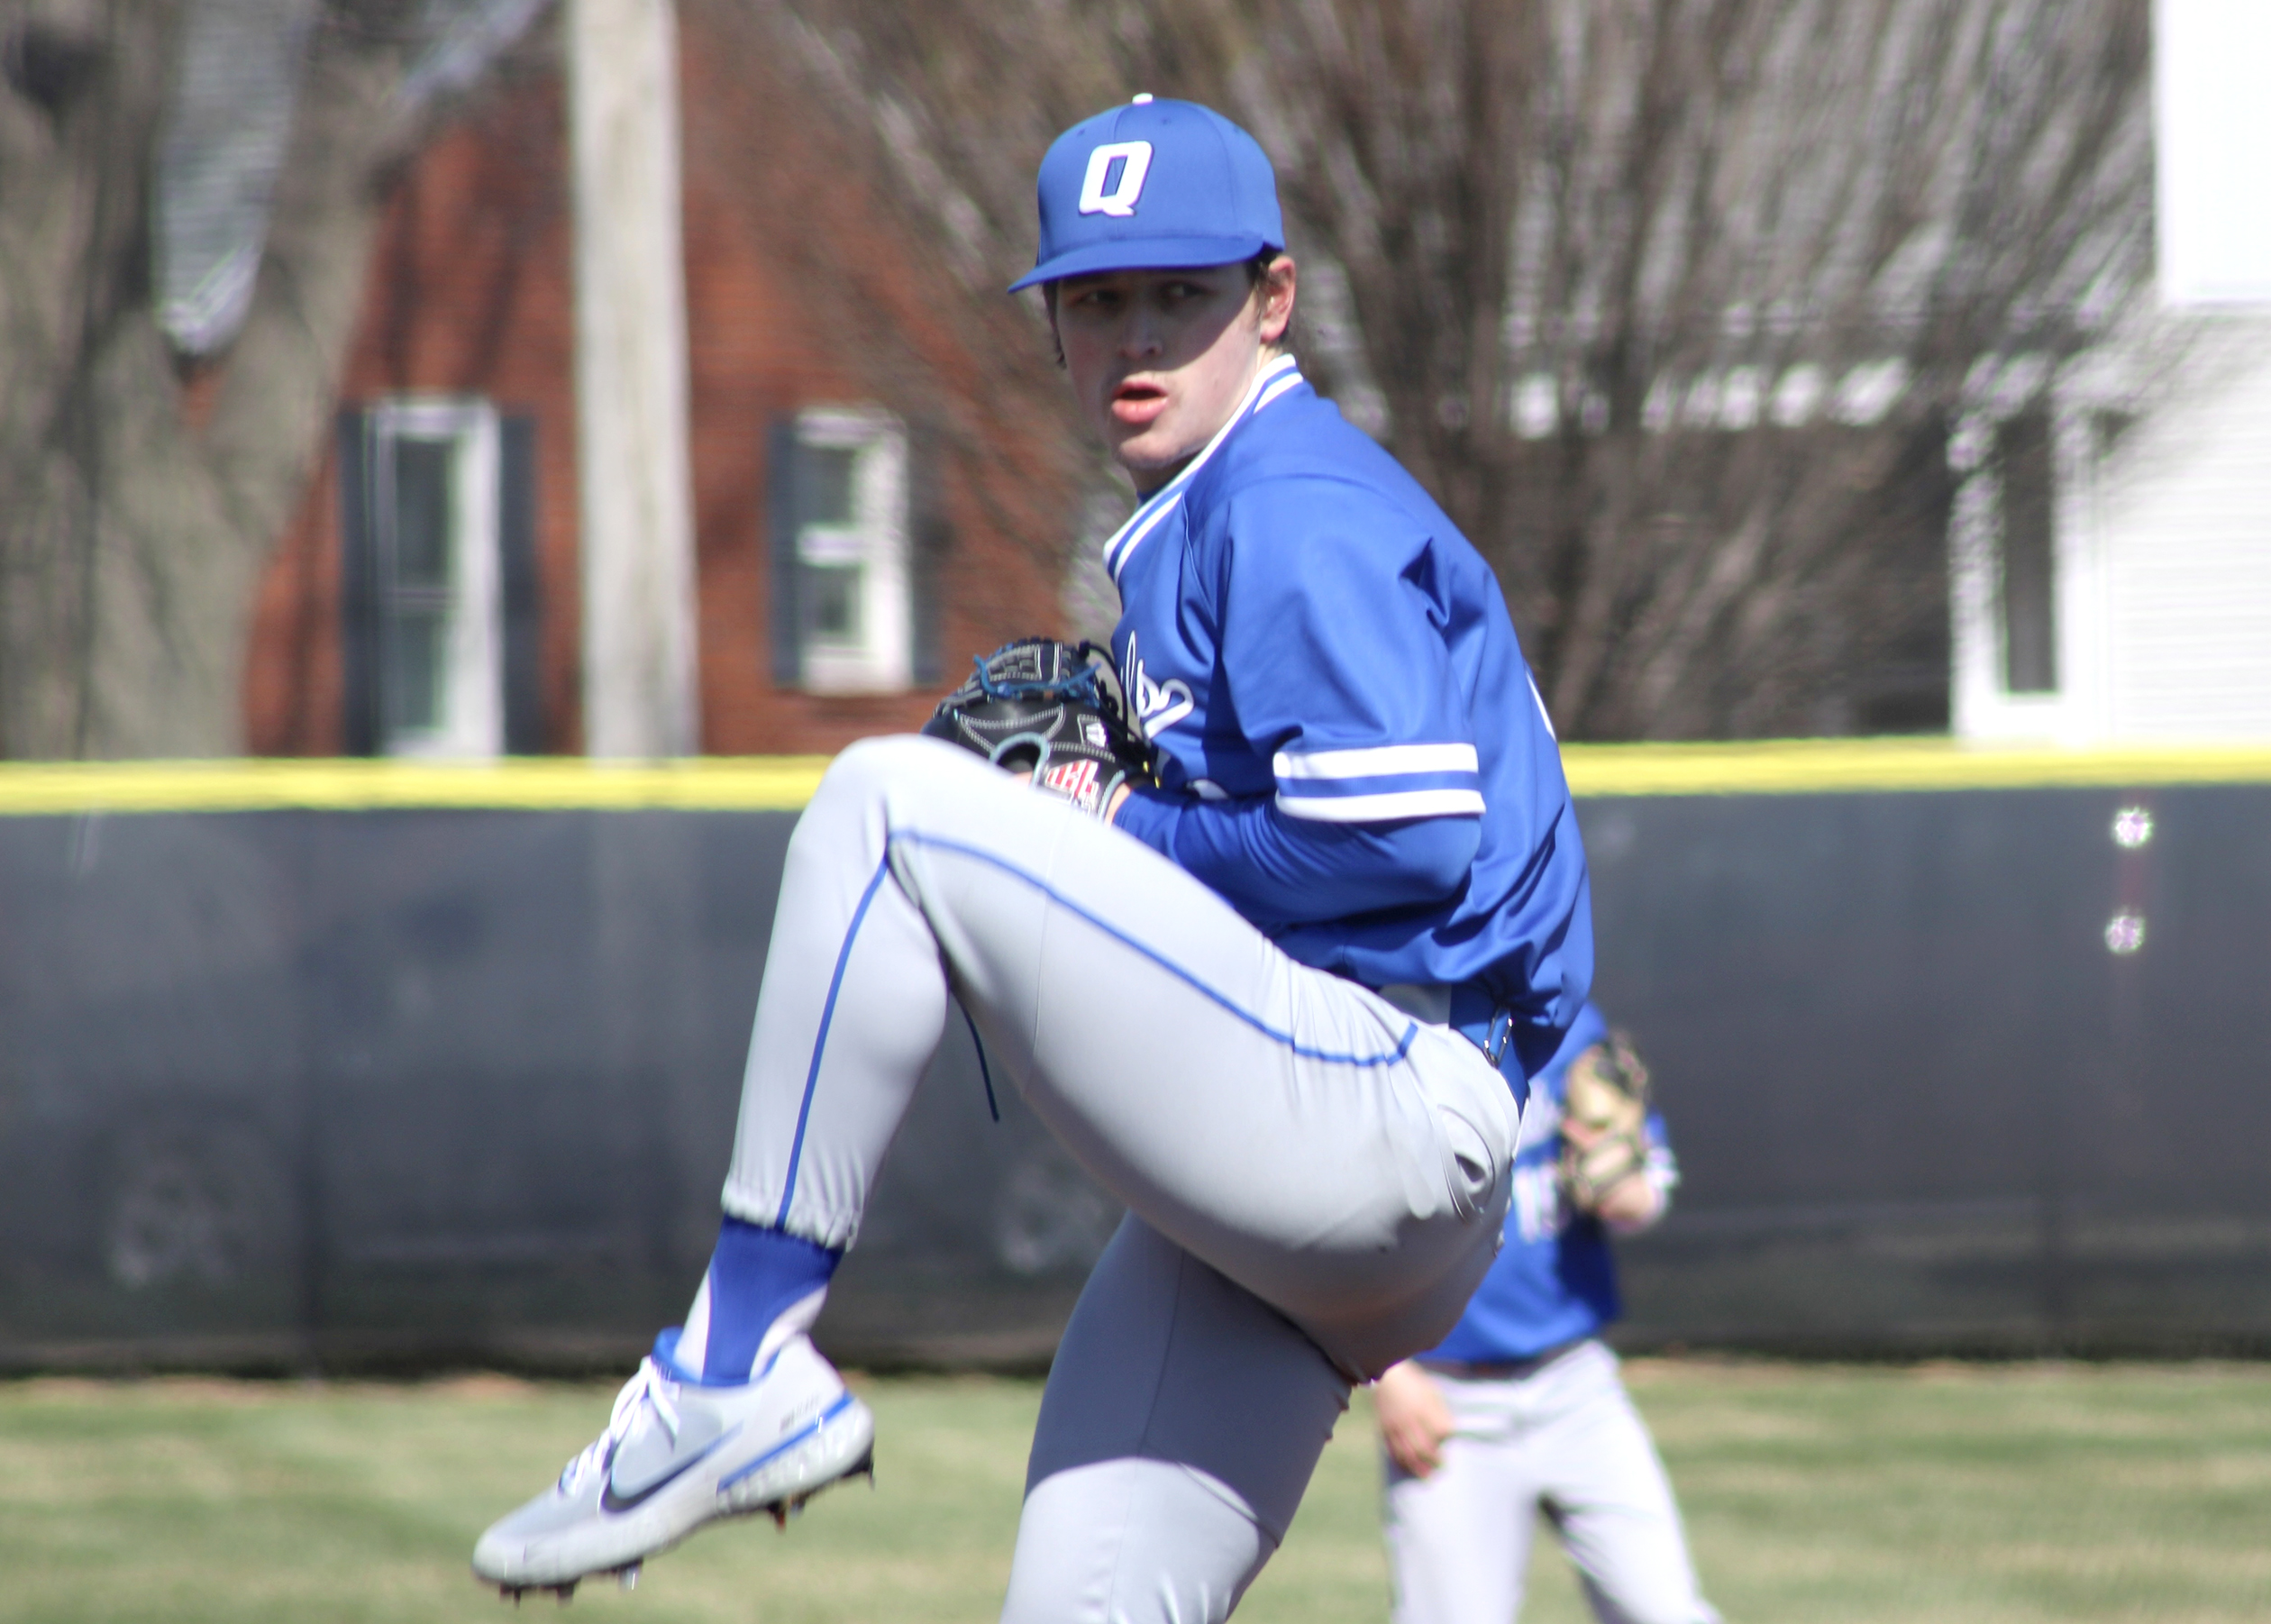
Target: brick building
<point>884,473</point>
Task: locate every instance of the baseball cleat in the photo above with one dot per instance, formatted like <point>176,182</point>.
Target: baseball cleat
<point>676,1454</point>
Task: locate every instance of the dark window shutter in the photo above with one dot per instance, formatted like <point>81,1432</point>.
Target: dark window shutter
<point>930,538</point>
<point>517,558</point>
<point>361,637</point>
<point>783,512</point>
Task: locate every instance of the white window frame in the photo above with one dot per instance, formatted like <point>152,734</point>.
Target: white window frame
<point>472,719</point>
<point>880,658</point>
<point>2077,396</point>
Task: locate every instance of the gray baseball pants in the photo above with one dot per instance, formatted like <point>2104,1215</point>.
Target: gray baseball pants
<point>1564,1440</point>
<point>1315,1180</point>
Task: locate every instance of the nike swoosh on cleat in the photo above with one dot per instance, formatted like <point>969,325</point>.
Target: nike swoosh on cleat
<point>609,1500</point>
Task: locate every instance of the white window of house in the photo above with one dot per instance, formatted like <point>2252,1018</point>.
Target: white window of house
<point>2029,577</point>
<point>432,490</point>
<point>846,572</point>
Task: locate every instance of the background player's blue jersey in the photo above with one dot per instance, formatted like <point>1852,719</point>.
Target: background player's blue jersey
<point>1353,752</point>
<point>1554,1279</point>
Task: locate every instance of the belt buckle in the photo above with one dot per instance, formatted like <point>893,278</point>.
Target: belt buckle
<point>1499,1034</point>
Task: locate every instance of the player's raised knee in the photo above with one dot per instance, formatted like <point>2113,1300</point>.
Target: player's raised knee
<point>872,767</point>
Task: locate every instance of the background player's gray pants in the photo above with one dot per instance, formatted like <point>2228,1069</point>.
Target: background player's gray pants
<point>1564,1440</point>
<point>1278,1133</point>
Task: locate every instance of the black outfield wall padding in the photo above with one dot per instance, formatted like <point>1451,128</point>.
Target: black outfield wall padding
<point>1920,1099</point>
<point>326,1076</point>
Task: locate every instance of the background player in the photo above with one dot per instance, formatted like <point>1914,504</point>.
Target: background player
<point>1520,1409</point>
<point>1282,1009</point>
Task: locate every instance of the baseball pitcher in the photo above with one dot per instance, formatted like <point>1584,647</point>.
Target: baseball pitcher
<point>1267,914</point>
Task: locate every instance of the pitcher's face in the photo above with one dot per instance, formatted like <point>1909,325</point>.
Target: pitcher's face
<point>1159,359</point>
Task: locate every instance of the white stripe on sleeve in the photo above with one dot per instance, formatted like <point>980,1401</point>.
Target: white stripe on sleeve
<point>1382,761</point>
<point>1382,808</point>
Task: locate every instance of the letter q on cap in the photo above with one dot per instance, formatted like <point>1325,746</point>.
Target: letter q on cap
<point>1133,157</point>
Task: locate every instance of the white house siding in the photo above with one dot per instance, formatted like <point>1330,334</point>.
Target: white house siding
<point>2183,523</point>
<point>2162,544</point>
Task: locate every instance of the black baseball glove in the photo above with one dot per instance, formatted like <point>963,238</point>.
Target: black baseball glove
<point>1053,709</point>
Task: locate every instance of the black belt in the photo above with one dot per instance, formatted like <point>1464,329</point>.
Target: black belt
<point>1502,1370</point>
<point>1465,1006</point>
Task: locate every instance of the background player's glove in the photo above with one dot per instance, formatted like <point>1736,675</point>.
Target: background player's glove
<point>1606,1105</point>
<point>1053,709</point>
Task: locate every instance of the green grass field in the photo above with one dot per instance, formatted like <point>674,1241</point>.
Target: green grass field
<point>2028,1492</point>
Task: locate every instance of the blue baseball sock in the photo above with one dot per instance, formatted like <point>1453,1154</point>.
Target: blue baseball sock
<point>763,1286</point>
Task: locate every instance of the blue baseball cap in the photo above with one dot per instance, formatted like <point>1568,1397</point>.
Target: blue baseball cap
<point>1152,186</point>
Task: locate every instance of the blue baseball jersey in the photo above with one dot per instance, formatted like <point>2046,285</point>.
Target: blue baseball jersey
<point>1554,1279</point>
<point>1352,751</point>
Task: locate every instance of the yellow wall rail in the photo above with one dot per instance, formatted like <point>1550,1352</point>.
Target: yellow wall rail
<point>784,783</point>
<point>1849,766</point>
<point>698,784</point>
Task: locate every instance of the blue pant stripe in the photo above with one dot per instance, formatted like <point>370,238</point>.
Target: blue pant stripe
<point>1411,1030</point>
<point>820,1039</point>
